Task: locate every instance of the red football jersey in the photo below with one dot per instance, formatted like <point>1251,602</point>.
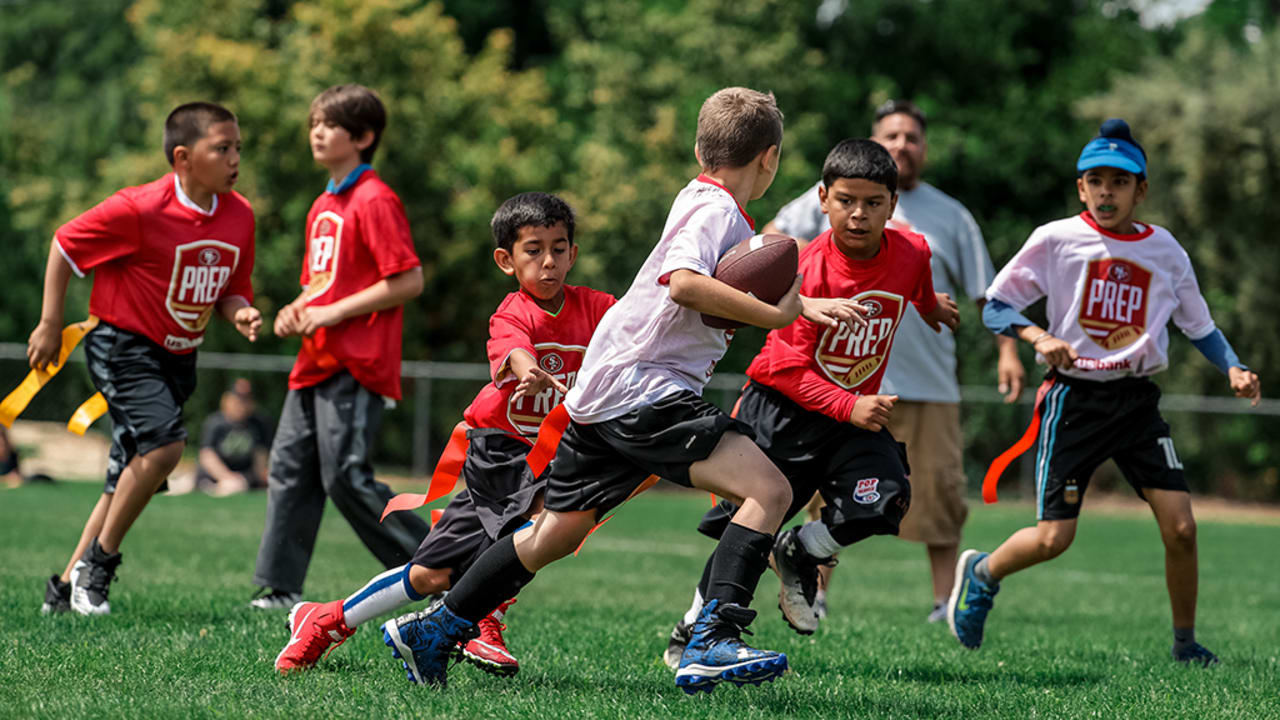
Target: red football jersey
<point>354,239</point>
<point>160,267</point>
<point>824,369</point>
<point>557,342</point>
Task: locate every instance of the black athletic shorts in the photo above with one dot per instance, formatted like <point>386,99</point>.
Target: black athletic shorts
<point>598,465</point>
<point>1083,423</point>
<point>501,488</point>
<point>145,387</point>
<point>861,474</point>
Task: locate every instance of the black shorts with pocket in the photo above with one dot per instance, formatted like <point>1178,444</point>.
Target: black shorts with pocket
<point>145,387</point>
<point>861,474</point>
<point>598,465</point>
<point>1083,423</point>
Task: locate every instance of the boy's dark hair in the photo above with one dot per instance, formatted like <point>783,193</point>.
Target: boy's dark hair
<point>354,108</point>
<point>187,124</point>
<point>893,107</point>
<point>861,159</point>
<point>536,209</point>
<point>735,125</point>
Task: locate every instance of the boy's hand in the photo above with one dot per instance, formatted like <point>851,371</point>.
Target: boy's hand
<point>1056,352</point>
<point>535,381</point>
<point>871,412</point>
<point>43,345</point>
<point>248,320</point>
<point>947,313</point>
<point>313,317</point>
<point>790,306</point>
<point>286,322</point>
<point>833,311</point>
<point>1246,384</point>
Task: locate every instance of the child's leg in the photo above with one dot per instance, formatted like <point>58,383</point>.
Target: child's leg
<point>1172,509</point>
<point>92,527</point>
<point>1031,546</point>
<point>295,498</point>
<point>138,484</point>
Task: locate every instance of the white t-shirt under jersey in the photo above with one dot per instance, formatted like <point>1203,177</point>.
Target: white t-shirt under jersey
<point>1110,296</point>
<point>646,346</point>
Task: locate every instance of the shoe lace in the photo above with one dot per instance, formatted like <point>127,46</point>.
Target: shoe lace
<point>101,576</point>
<point>491,630</point>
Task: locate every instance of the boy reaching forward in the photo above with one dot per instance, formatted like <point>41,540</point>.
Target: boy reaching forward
<point>359,269</point>
<point>1113,284</point>
<point>812,400</point>
<point>637,410</point>
<point>164,256</point>
<point>537,339</point>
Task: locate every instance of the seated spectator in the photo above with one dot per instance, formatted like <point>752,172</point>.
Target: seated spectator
<point>233,445</point>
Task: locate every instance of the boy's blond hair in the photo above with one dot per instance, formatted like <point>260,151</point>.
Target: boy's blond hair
<point>735,125</point>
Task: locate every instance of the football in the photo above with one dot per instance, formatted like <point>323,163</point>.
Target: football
<point>763,266</point>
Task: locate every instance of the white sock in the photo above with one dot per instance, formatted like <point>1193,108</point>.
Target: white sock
<point>386,593</point>
<point>691,616</point>
<point>817,540</point>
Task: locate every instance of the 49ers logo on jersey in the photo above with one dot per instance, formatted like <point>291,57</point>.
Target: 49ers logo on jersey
<point>201,270</point>
<point>560,362</point>
<point>850,355</point>
<point>1113,306</point>
<point>323,243</point>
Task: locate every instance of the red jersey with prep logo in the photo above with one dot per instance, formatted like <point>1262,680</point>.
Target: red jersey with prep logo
<point>824,369</point>
<point>1110,296</point>
<point>159,267</point>
<point>355,239</point>
<point>557,341</point>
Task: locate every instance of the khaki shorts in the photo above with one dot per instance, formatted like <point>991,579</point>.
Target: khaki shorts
<point>932,434</point>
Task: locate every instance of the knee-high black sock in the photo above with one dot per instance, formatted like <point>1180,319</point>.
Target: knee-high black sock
<point>496,577</point>
<point>704,584</point>
<point>738,563</point>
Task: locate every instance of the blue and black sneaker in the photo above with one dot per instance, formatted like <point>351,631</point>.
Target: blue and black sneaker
<point>425,642</point>
<point>970,601</point>
<point>1195,654</point>
<point>716,652</point>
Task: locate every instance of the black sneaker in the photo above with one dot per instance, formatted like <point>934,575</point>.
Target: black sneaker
<point>91,580</point>
<point>57,596</point>
<point>798,572</point>
<point>680,635</point>
<point>274,600</point>
<point>1195,654</point>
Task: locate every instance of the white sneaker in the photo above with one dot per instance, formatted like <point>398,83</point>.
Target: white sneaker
<point>275,600</point>
<point>91,578</point>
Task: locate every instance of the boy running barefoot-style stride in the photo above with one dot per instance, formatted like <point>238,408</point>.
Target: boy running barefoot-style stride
<point>359,269</point>
<point>165,257</point>
<point>537,338</point>
<point>812,400</point>
<point>1113,284</point>
<point>637,411</point>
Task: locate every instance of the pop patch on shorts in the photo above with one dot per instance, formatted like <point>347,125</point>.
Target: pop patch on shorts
<point>865,493</point>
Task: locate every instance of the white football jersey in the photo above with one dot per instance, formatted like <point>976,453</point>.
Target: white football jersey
<point>1110,296</point>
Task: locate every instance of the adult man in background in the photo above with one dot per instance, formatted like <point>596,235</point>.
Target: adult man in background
<point>922,364</point>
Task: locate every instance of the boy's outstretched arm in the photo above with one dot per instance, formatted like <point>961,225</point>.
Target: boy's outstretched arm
<point>386,293</point>
<point>46,339</point>
<point>1218,351</point>
<point>532,379</point>
<point>946,313</point>
<point>1002,319</point>
<point>240,313</point>
<point>708,295</point>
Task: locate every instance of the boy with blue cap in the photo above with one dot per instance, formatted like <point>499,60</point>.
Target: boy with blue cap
<point>1112,284</point>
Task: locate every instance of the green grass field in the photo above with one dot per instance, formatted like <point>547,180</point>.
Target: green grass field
<point>1085,636</point>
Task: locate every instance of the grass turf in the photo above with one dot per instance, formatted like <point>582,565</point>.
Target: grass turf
<point>1084,636</point>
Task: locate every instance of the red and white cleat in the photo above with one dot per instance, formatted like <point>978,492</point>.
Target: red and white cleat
<point>489,651</point>
<point>315,628</point>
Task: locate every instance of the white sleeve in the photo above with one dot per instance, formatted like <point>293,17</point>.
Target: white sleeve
<point>697,245</point>
<point>1192,313</point>
<point>803,217</point>
<point>1024,279</point>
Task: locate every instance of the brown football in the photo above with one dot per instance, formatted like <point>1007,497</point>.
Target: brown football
<point>763,266</point>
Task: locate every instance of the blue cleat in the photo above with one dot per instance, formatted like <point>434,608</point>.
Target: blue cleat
<point>426,640</point>
<point>970,601</point>
<point>1195,654</point>
<point>716,653</point>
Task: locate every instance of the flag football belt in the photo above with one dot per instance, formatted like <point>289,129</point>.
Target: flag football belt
<point>1024,444</point>
<point>92,409</point>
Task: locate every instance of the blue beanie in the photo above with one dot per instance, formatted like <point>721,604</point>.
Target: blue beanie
<point>1114,147</point>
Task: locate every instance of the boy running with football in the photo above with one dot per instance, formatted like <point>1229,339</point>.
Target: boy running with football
<point>1113,284</point>
<point>537,338</point>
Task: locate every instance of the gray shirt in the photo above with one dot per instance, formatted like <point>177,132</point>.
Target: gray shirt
<point>922,364</point>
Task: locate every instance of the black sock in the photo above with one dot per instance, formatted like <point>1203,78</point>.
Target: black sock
<point>738,563</point>
<point>704,584</point>
<point>1183,637</point>
<point>496,577</point>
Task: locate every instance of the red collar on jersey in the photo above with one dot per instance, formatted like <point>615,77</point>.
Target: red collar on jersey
<point>702,177</point>
<point>1131,237</point>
